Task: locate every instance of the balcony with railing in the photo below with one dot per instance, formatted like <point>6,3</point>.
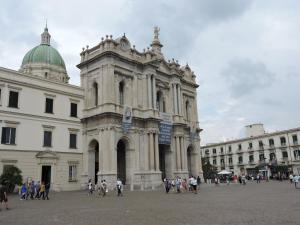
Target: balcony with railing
<point>283,144</point>
<point>251,162</point>
<point>271,146</point>
<point>241,163</point>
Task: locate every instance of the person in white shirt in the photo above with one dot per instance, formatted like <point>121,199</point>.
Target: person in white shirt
<point>296,180</point>
<point>291,178</point>
<point>119,187</point>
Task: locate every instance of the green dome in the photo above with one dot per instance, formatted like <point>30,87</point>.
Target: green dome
<point>43,53</point>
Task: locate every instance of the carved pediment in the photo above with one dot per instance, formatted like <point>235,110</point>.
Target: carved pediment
<point>164,67</point>
<point>47,155</point>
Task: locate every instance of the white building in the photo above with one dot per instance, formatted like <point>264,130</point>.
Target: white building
<point>65,134</point>
<point>257,151</point>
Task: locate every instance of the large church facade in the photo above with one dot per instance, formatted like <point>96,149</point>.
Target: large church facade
<point>134,117</point>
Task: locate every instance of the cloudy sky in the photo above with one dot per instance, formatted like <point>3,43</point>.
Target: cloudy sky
<point>246,54</point>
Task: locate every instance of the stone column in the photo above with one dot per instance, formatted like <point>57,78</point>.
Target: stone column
<point>151,152</point>
<point>156,147</point>
<point>175,98</point>
<point>113,152</point>
<point>146,153</point>
<point>178,163</point>
<point>179,101</point>
<point>183,162</point>
<point>149,91</point>
<point>154,93</point>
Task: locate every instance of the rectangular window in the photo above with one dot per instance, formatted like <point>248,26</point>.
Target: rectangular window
<point>8,136</point>
<point>295,139</point>
<point>229,148</point>
<point>240,147</point>
<point>260,144</point>
<point>222,161</point>
<point>6,167</point>
<point>73,109</point>
<point>283,141</point>
<point>272,156</point>
<point>72,173</point>
<point>0,95</point>
<point>250,145</point>
<point>73,138</point>
<point>240,159</point>
<point>261,157</point>
<point>49,105</point>
<point>214,151</point>
<point>251,158</point>
<point>47,138</point>
<point>271,142</point>
<point>284,154</point>
<point>207,152</point>
<point>222,150</point>
<point>297,154</point>
<point>13,99</point>
<point>230,160</point>
<point>214,162</point>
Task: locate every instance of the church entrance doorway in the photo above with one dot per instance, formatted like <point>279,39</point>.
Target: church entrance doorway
<point>46,174</point>
<point>189,160</point>
<point>165,161</point>
<point>121,161</point>
<point>94,159</point>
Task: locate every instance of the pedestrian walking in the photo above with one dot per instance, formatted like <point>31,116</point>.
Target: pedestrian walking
<point>23,192</point>
<point>90,187</point>
<point>244,179</point>
<point>194,184</point>
<point>37,190</point>
<point>3,197</point>
<point>257,178</point>
<point>296,180</point>
<point>291,178</point>
<point>119,187</point>
<point>42,191</point>
<point>103,188</point>
<point>178,183</point>
<point>167,185</point>
<point>47,189</point>
<point>198,182</point>
<point>32,189</point>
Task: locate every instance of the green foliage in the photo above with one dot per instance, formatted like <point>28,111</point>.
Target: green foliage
<point>11,177</point>
<point>209,171</point>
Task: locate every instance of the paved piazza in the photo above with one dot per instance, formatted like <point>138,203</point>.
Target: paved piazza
<point>265,203</point>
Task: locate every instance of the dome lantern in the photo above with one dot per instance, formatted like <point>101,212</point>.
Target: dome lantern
<point>45,61</point>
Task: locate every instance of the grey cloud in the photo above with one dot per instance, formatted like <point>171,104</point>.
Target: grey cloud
<point>244,76</point>
<point>180,22</point>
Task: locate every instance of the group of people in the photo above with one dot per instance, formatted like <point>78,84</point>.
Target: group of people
<point>178,184</point>
<point>102,189</point>
<point>34,190</point>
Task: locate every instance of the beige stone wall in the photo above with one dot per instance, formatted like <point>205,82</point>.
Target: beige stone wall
<point>31,162</point>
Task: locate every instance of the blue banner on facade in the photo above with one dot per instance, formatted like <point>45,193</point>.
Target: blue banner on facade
<point>127,119</point>
<point>165,133</point>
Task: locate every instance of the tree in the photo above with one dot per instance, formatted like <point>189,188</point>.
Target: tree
<point>209,171</point>
<point>11,177</point>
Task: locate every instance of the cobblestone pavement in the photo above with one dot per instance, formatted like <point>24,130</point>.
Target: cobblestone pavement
<point>266,203</point>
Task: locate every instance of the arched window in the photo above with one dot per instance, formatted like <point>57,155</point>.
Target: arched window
<point>121,93</point>
<point>187,110</point>
<point>95,93</point>
<point>160,102</point>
